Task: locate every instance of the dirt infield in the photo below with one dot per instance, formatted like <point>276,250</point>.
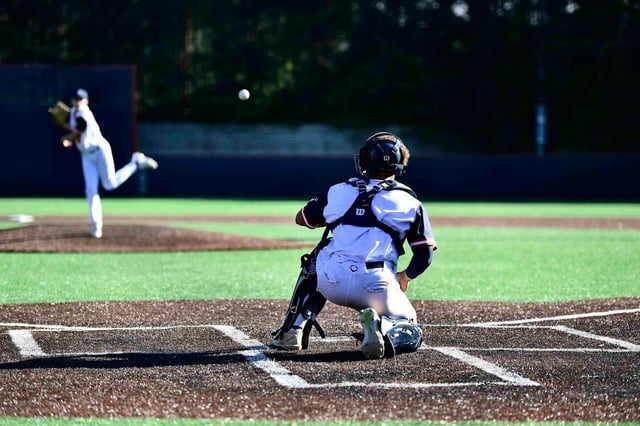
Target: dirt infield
<point>574,361</point>
<point>126,234</point>
<point>479,361</point>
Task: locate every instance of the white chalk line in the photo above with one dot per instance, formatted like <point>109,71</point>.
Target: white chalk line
<point>254,354</point>
<point>610,340</point>
<point>285,378</point>
<point>54,327</point>
<point>626,346</point>
<point>491,368</point>
<point>28,347</point>
<point>556,318</point>
<point>26,344</point>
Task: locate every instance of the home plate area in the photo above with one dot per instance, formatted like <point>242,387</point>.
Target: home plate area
<point>575,361</point>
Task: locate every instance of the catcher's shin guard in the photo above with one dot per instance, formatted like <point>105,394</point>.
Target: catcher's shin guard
<point>305,301</point>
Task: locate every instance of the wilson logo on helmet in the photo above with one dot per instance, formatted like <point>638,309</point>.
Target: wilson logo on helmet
<point>383,154</point>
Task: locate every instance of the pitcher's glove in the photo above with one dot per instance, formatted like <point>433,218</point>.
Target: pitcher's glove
<point>60,114</point>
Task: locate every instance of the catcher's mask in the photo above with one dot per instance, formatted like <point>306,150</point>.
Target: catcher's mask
<point>381,154</point>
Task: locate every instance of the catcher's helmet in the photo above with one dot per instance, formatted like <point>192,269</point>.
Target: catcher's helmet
<point>381,154</point>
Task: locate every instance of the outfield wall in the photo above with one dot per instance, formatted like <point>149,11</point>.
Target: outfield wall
<point>261,160</point>
<point>575,178</point>
<point>276,161</point>
<point>579,178</point>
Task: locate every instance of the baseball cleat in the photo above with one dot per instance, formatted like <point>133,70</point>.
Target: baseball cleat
<point>289,340</point>
<point>143,161</point>
<point>96,232</point>
<point>373,342</point>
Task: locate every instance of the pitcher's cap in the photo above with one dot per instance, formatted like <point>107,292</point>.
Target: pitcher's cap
<point>82,94</point>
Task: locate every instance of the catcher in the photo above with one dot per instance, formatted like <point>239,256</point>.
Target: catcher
<point>95,152</point>
<point>370,218</point>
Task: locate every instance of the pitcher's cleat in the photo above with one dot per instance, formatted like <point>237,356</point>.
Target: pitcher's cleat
<point>143,161</point>
<point>96,231</point>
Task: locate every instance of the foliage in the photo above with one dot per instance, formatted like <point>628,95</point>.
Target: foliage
<point>472,71</point>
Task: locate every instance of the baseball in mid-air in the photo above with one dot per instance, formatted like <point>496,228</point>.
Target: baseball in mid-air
<point>243,95</point>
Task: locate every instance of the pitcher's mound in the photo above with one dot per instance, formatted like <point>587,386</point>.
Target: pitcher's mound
<point>72,238</point>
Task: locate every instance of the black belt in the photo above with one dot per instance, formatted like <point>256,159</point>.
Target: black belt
<point>375,265</point>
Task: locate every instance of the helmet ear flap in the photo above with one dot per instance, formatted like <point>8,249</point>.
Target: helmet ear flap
<point>362,161</point>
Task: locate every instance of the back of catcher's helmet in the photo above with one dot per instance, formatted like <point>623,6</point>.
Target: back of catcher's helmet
<point>380,154</point>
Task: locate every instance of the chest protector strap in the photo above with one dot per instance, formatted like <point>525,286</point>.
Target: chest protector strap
<point>360,213</point>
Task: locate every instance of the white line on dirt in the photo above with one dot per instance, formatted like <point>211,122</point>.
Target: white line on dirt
<point>405,385</point>
<point>586,334</point>
<point>556,318</point>
<point>255,356</point>
<point>284,377</point>
<point>559,350</point>
<point>26,344</point>
<point>496,370</point>
<point>54,327</point>
<point>629,347</point>
<point>254,353</point>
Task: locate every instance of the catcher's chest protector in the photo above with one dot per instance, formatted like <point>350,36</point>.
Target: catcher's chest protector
<point>361,214</point>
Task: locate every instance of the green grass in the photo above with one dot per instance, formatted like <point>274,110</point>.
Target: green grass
<point>244,207</point>
<point>150,206</point>
<point>491,264</point>
<point>563,210</point>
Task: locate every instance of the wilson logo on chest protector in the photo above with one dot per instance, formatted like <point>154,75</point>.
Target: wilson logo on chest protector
<point>360,213</point>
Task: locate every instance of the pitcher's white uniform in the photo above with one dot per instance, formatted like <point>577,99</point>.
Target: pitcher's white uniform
<point>358,267</point>
<point>97,164</point>
<point>97,160</point>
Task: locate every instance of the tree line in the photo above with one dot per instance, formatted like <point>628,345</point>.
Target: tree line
<point>469,74</point>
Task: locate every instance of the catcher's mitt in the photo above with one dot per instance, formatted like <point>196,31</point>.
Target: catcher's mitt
<point>60,114</point>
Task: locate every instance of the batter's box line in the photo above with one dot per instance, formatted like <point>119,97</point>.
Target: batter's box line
<point>284,377</point>
<point>254,353</point>
<point>554,318</point>
<point>568,330</point>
